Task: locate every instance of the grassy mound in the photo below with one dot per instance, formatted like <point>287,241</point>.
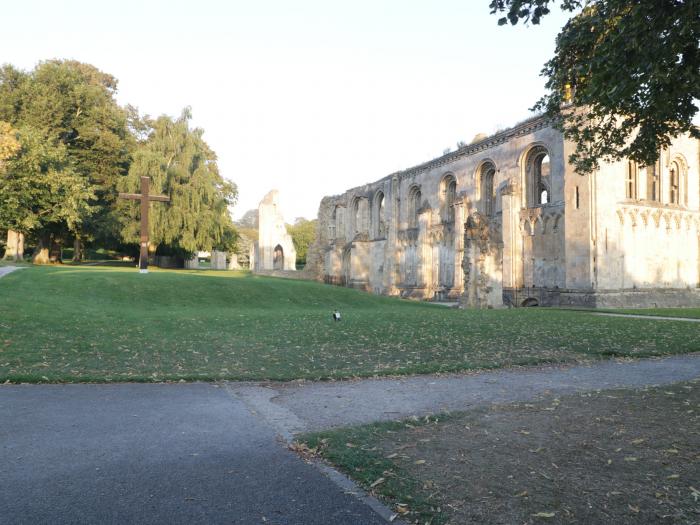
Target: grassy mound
<point>113,324</point>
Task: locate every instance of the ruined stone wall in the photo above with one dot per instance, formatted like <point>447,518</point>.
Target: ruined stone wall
<point>506,220</point>
<point>274,249</point>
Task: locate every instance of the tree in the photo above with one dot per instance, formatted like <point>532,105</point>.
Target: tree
<point>180,164</point>
<point>9,147</point>
<point>627,74</point>
<point>303,233</point>
<point>70,108</point>
<point>41,191</point>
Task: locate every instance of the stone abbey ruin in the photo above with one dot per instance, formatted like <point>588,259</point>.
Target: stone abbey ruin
<point>507,221</point>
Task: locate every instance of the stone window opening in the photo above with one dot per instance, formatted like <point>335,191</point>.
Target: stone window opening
<point>538,177</point>
<point>379,220</point>
<point>449,195</point>
<point>278,258</point>
<point>631,180</point>
<point>677,190</point>
<point>360,219</point>
<point>653,183</point>
<point>488,198</point>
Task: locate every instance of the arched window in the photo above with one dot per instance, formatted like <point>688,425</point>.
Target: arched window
<point>653,183</point>
<point>488,198</point>
<point>678,192</point>
<point>414,203</point>
<point>448,191</point>
<point>379,220</point>
<point>674,184</point>
<point>360,217</point>
<point>539,186</point>
<point>278,258</point>
<point>631,180</point>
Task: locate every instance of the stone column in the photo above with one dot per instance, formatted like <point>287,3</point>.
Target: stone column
<point>512,240</point>
<point>459,247</point>
<point>392,251</point>
<point>424,255</point>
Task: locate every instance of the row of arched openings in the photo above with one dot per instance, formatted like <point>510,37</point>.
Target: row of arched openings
<point>537,183</point>
<point>676,193</point>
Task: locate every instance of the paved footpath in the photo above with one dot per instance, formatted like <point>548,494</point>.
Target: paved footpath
<point>297,407</point>
<point>207,453</point>
<point>163,453</point>
<point>4,270</point>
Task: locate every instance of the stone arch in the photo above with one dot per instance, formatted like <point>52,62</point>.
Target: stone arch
<point>486,175</point>
<point>448,195</point>
<point>278,258</point>
<point>378,212</point>
<point>413,205</point>
<point>537,176</point>
<point>678,181</point>
<point>360,216</point>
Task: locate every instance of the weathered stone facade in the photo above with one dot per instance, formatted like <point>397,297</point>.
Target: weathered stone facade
<point>507,221</point>
<point>274,249</point>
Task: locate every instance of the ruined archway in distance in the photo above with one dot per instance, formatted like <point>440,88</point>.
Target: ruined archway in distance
<point>278,258</point>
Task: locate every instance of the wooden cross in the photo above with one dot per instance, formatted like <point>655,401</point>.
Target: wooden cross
<point>145,197</point>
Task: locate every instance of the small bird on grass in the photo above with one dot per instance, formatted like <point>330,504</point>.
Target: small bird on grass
<point>336,315</point>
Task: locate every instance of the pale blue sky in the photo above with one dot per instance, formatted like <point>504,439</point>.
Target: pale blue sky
<point>309,97</point>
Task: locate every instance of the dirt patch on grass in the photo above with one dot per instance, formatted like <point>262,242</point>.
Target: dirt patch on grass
<point>617,456</point>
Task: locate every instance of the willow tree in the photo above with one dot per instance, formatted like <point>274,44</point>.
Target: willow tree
<point>180,164</point>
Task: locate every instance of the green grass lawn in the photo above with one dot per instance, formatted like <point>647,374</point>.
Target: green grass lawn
<point>112,324</point>
<point>693,313</point>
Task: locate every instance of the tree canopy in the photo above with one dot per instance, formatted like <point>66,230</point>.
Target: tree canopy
<point>625,76</point>
<point>303,234</point>
<point>181,164</point>
<point>74,147</point>
<point>67,148</point>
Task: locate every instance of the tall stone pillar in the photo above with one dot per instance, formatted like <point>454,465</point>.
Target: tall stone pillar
<point>392,249</point>
<point>512,238</point>
<point>458,285</point>
<point>424,255</point>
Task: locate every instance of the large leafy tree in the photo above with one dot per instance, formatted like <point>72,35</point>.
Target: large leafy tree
<point>180,164</point>
<point>625,77</point>
<point>74,136</point>
<point>41,192</point>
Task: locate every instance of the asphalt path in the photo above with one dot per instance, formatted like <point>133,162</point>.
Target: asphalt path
<point>307,406</point>
<point>154,453</point>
